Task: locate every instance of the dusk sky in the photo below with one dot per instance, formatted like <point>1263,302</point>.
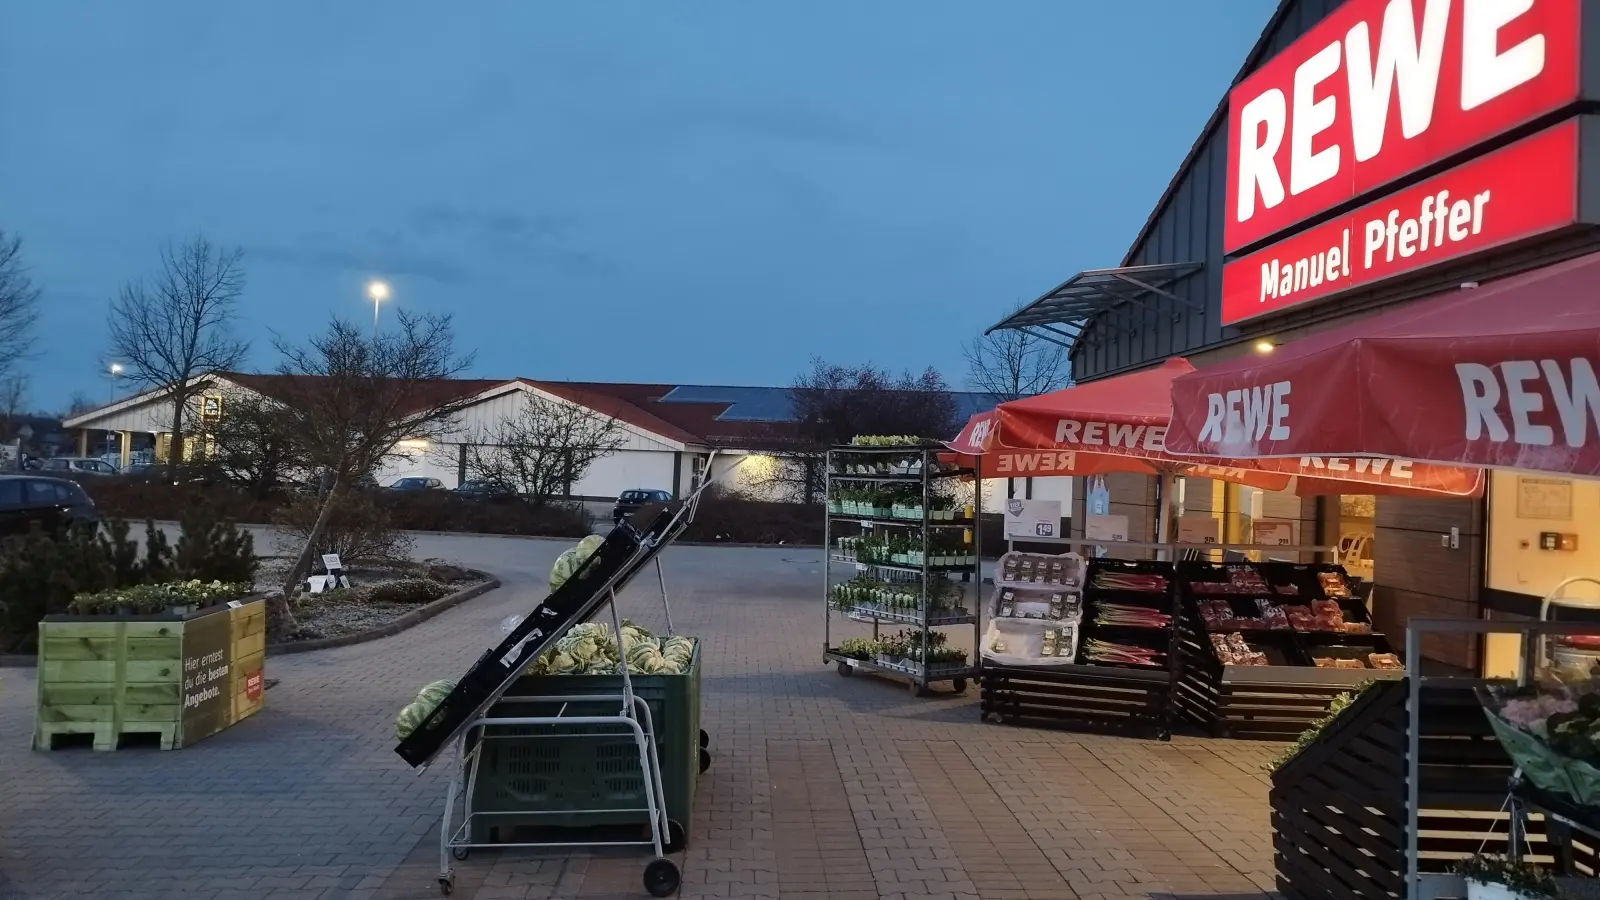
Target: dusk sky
<point>695,192</point>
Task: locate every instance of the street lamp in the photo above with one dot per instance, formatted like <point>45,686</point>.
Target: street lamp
<point>116,372</point>
<point>379,292</point>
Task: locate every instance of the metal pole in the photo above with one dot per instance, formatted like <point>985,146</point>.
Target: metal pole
<point>827,553</point>
<point>1413,749</point>
<point>375,304</point>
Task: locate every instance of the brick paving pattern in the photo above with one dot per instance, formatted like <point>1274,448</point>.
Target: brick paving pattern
<point>821,786</point>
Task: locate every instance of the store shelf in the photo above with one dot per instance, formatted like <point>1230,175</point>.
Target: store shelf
<point>914,629</point>
<point>891,520</point>
<point>913,617</point>
<point>913,670</point>
<point>891,477</point>
<point>900,567</point>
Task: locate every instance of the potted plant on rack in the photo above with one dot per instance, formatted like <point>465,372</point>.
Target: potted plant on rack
<point>1499,878</point>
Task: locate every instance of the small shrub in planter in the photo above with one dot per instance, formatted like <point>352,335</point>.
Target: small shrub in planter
<point>411,590</point>
<point>177,598</point>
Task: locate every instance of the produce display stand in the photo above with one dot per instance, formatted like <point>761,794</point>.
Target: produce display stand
<point>1285,690</point>
<point>467,710</point>
<point>891,522</point>
<point>1041,668</point>
<point>177,678</point>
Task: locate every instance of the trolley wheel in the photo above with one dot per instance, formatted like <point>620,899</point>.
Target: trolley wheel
<point>661,878</point>
<point>916,689</point>
<point>705,759</point>
<point>846,669</point>
<point>705,739</point>
<point>676,839</point>
<point>446,884</point>
<point>461,853</point>
<point>960,685</point>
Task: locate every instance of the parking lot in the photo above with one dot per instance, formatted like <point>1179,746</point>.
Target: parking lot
<point>821,786</point>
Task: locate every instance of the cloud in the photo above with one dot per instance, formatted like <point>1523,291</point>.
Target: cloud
<point>320,251</point>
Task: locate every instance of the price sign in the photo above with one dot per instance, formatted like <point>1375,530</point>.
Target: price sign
<point>1277,534</point>
<point>1105,528</point>
<point>1197,528</point>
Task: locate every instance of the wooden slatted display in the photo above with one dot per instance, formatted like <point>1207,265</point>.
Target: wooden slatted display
<point>1339,817</point>
<point>1077,696</point>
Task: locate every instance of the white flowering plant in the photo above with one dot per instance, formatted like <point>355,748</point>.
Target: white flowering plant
<point>148,599</point>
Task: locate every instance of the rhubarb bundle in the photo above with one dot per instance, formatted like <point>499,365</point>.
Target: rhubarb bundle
<point>1125,654</point>
<point>1129,616</point>
<point>1111,580</point>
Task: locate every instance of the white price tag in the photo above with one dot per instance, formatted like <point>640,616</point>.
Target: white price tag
<point>330,561</point>
<point>235,604</point>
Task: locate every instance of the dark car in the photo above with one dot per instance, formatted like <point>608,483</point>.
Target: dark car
<point>416,483</point>
<point>54,504</point>
<point>632,501</point>
<point>480,490</point>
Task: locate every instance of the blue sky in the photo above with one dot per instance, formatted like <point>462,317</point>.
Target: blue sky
<point>683,191</point>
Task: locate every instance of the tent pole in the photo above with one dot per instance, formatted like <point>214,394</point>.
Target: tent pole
<point>1165,487</point>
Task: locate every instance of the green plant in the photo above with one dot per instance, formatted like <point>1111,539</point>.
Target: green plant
<point>1522,878</point>
<point>410,590</point>
<point>149,599</point>
<point>213,548</point>
<point>40,574</point>
<point>121,552</point>
<point>157,566</point>
<point>859,648</point>
<point>1308,737</point>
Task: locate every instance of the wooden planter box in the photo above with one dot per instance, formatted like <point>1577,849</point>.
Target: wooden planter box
<point>183,678</point>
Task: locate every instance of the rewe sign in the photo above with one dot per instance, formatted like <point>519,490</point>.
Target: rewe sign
<point>1515,192</point>
<point>1382,88</point>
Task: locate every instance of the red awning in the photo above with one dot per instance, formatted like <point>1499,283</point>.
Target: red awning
<point>1499,376</point>
<point>1120,424</point>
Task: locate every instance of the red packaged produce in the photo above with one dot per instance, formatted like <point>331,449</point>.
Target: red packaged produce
<point>1272,614</point>
<point>1300,618</point>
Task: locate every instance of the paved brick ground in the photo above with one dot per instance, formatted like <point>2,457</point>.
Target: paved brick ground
<point>822,787</point>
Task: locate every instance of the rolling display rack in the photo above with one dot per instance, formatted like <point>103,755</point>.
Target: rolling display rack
<point>905,539</point>
<point>624,553</point>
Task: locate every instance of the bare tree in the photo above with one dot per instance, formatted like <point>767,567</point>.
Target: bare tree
<point>250,440</point>
<point>542,449</point>
<point>13,396</point>
<point>172,329</point>
<point>79,404</point>
<point>1012,364</point>
<point>352,399</point>
<point>19,301</point>
<point>834,403</point>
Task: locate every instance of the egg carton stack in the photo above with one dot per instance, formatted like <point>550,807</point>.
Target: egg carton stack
<point>1036,610</point>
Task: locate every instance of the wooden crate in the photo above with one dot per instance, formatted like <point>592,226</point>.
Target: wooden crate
<point>108,679</point>
<point>117,676</point>
<point>247,673</point>
<point>1078,696</point>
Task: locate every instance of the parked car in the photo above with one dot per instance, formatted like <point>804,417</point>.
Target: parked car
<point>479,490</point>
<point>632,501</point>
<point>76,465</point>
<point>53,503</point>
<point>417,483</point>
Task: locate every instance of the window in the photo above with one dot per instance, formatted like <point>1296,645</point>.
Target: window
<point>57,465</point>
<point>42,493</point>
<point>10,494</point>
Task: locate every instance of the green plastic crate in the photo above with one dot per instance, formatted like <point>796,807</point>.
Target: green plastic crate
<point>522,769</point>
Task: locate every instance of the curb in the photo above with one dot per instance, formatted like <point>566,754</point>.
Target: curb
<point>409,620</point>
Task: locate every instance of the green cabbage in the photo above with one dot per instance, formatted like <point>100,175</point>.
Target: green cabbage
<point>572,560</point>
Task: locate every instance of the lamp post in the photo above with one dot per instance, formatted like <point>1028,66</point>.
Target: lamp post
<point>115,373</point>
<point>379,292</point>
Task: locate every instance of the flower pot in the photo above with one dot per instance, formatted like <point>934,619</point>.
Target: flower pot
<point>1477,890</point>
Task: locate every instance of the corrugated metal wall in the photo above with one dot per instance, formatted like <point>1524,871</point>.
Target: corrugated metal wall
<point>1187,229</point>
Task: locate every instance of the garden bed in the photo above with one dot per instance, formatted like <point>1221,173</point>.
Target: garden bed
<point>381,594</point>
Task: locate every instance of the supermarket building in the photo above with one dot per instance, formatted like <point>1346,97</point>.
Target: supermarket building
<point>1368,154</point>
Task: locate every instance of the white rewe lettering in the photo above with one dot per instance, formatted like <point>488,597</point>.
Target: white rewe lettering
<point>1480,393</point>
<point>1576,400</point>
<point>1094,433</point>
<point>1261,124</point>
<point>1126,435</point>
<point>1211,431</point>
<point>1067,431</point>
<point>1523,402</point>
<point>1392,60</point>
<point>1256,401</point>
<point>1401,57</point>
<point>1486,71</point>
<point>1311,118</point>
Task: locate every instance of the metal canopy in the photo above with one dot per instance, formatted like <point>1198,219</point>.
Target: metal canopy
<point>1062,314</point>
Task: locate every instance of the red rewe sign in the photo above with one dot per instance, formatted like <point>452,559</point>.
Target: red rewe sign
<point>1381,88</point>
<point>1517,191</point>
